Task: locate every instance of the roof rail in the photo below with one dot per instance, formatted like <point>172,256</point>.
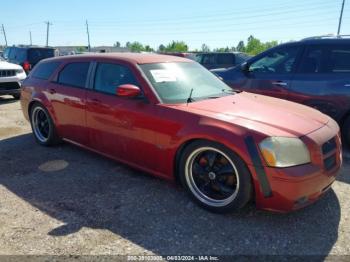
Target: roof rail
<point>328,36</point>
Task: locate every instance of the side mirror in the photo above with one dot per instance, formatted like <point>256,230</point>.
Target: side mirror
<point>245,67</point>
<point>128,91</point>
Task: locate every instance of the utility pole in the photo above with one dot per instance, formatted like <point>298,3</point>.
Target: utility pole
<point>88,35</point>
<point>47,32</point>
<point>340,18</point>
<point>4,32</point>
<point>30,37</point>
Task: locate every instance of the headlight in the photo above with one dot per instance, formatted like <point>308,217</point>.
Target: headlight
<point>19,71</point>
<point>284,151</point>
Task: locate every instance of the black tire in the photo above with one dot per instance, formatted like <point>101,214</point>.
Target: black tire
<point>201,152</point>
<point>16,96</point>
<point>346,132</point>
<point>49,137</point>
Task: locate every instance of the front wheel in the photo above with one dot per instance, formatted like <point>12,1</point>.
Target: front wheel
<point>215,177</point>
<point>43,127</point>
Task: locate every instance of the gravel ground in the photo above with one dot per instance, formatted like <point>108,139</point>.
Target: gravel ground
<point>68,201</point>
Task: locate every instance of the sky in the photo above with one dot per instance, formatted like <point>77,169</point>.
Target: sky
<point>217,23</point>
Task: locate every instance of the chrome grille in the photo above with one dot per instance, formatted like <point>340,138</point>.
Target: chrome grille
<point>7,73</point>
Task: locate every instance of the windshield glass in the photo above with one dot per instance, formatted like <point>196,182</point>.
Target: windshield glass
<point>174,82</point>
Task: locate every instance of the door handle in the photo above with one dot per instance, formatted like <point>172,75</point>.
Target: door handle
<point>280,83</point>
<point>52,91</point>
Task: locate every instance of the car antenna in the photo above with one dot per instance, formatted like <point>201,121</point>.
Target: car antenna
<point>190,99</point>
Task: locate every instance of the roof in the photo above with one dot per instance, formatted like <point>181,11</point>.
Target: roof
<point>135,58</point>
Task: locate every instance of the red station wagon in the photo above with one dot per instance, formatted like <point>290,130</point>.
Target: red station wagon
<point>171,117</point>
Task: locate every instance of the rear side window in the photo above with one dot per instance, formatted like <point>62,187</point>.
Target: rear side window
<point>74,74</point>
<point>312,60</point>
<point>208,59</point>
<point>339,60</point>
<point>45,70</point>
<point>12,53</point>
<point>21,55</point>
<point>37,54</point>
<point>110,76</point>
<point>225,59</point>
<point>326,59</point>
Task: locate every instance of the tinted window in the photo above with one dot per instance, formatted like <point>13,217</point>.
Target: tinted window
<point>20,55</point>
<point>37,54</point>
<point>74,74</point>
<point>110,76</point>
<point>240,58</point>
<point>339,60</point>
<point>12,53</point>
<point>225,59</point>
<point>278,61</point>
<point>45,70</point>
<point>312,60</point>
<point>7,52</point>
<point>208,59</point>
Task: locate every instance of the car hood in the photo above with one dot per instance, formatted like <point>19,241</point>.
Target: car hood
<point>267,115</point>
<point>8,66</point>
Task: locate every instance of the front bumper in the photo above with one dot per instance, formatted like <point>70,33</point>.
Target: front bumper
<point>295,187</point>
<point>10,88</point>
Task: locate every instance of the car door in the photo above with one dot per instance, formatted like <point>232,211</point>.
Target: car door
<point>322,80</point>
<point>120,127</point>
<point>67,95</point>
<point>270,73</point>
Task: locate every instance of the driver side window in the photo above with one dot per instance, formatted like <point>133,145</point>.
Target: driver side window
<point>109,76</point>
<point>280,61</point>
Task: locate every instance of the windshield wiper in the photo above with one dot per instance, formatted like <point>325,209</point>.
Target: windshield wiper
<point>232,91</point>
<point>190,99</point>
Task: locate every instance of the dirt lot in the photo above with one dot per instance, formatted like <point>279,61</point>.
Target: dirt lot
<point>65,200</point>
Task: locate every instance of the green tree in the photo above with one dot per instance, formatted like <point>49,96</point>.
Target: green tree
<point>161,48</point>
<point>176,46</point>
<point>205,48</point>
<point>135,46</point>
<point>255,46</point>
<point>240,47</point>
<point>81,49</point>
<point>148,48</point>
<point>117,44</point>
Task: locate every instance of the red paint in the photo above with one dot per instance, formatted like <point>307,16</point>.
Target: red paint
<point>128,91</point>
<point>147,134</point>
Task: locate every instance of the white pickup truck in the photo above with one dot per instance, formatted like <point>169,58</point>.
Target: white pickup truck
<point>11,76</point>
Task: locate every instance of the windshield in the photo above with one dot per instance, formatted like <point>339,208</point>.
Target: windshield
<point>177,82</point>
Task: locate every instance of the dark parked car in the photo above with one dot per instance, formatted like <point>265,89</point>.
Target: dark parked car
<point>221,60</point>
<point>313,72</point>
<point>28,57</point>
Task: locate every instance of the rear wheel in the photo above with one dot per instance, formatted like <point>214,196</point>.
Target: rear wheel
<point>43,127</point>
<point>215,177</point>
